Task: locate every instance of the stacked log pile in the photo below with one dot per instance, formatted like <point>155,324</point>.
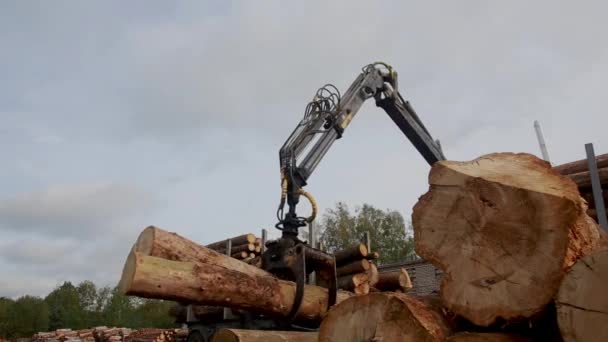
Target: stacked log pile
<point>521,260</point>
<point>158,335</point>
<point>105,334</point>
<point>244,247</point>
<point>355,272</point>
<point>578,171</point>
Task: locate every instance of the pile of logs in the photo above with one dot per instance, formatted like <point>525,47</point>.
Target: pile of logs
<point>244,247</point>
<point>158,335</point>
<point>105,334</point>
<point>521,261</point>
<point>578,171</point>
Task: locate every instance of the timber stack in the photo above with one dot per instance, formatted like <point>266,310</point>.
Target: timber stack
<point>105,334</point>
<point>578,171</point>
<point>522,261</point>
<point>243,247</point>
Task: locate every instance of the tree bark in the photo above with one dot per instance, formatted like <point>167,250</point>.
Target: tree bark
<point>581,165</point>
<point>582,303</point>
<point>239,255</point>
<point>236,241</point>
<point>583,179</point>
<point>248,247</point>
<point>503,228</point>
<point>487,337</point>
<point>372,256</point>
<point>350,254</point>
<point>160,243</point>
<point>238,335</point>
<point>351,281</point>
<point>214,279</point>
<point>383,317</point>
<point>394,280</point>
<point>356,266</point>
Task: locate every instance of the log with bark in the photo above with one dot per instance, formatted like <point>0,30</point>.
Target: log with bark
<point>239,255</point>
<point>583,179</point>
<point>356,266</point>
<point>372,256</point>
<point>165,265</point>
<point>504,228</point>
<point>394,280</point>
<point>581,165</point>
<point>350,254</point>
<point>236,241</point>
<point>384,316</point>
<point>238,335</point>
<point>582,303</point>
<point>248,247</point>
<point>350,281</point>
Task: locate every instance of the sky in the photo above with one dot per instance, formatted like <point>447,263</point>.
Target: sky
<point>119,115</point>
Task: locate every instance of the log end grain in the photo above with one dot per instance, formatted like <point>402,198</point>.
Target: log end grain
<point>503,228</point>
<point>383,317</point>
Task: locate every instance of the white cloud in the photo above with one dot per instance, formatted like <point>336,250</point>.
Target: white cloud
<point>69,210</point>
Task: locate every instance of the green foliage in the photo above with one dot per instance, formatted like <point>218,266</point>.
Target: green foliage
<point>64,308</point>
<point>80,307</point>
<point>388,232</point>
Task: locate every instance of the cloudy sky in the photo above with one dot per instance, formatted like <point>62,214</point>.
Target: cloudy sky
<point>118,115</point>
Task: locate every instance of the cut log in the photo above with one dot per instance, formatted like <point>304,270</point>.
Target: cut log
<point>582,303</point>
<point>248,247</point>
<point>362,289</point>
<point>356,266</point>
<point>583,179</point>
<point>240,255</point>
<point>372,256</point>
<point>394,280</point>
<point>238,335</point>
<point>383,317</point>
<point>236,241</point>
<point>503,228</point>
<point>350,254</point>
<point>160,243</point>
<point>581,165</point>
<point>487,337</point>
<point>350,281</point>
<point>373,274</point>
<point>257,262</point>
<point>215,280</point>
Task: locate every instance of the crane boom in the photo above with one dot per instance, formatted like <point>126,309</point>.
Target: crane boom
<point>325,119</point>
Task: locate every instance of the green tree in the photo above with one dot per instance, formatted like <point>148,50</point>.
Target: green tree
<point>87,296</point>
<point>64,308</point>
<point>6,306</point>
<point>340,228</point>
<point>119,310</point>
<point>28,315</point>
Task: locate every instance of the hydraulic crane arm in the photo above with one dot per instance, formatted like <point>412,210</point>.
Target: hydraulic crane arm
<point>325,119</point>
